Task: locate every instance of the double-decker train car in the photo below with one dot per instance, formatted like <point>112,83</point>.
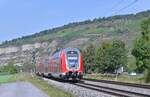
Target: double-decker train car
<point>66,64</point>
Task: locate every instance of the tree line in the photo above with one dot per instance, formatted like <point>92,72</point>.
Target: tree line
<point>108,57</point>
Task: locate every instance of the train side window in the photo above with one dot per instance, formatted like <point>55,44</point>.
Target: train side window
<point>46,61</point>
<point>56,55</point>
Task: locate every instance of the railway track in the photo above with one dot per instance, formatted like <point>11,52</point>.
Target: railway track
<point>111,91</point>
<point>120,83</point>
<point>108,90</point>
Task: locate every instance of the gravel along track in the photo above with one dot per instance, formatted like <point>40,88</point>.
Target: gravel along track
<point>77,90</point>
<point>130,89</point>
<point>20,89</point>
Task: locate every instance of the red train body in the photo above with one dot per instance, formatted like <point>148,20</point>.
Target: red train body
<point>66,64</point>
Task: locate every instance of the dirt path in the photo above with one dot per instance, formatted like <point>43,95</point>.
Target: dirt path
<point>20,89</point>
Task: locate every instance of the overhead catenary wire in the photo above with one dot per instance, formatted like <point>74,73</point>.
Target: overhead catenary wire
<point>127,6</point>
<point>114,6</point>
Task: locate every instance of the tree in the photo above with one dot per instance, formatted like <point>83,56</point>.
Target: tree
<point>110,56</point>
<point>141,50</point>
<point>119,54</point>
<point>102,59</point>
<point>86,66</point>
<point>89,56</point>
<point>10,68</point>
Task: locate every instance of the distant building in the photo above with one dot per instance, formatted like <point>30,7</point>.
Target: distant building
<point>119,70</point>
<point>18,64</point>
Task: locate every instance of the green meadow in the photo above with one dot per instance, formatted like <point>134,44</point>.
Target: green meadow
<point>5,78</point>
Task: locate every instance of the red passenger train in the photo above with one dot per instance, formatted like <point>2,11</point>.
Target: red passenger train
<point>66,64</point>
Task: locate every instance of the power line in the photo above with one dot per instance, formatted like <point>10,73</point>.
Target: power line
<point>127,6</point>
<point>114,6</point>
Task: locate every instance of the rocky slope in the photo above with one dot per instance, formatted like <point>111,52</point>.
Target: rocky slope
<point>19,54</point>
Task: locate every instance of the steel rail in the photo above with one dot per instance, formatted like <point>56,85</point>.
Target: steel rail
<point>112,91</point>
<point>120,83</point>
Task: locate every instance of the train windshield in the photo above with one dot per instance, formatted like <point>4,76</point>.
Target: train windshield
<point>73,59</point>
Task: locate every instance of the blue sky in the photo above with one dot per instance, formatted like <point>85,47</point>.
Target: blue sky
<point>24,17</point>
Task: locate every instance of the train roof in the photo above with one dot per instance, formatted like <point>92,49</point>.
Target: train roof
<point>71,48</point>
<point>66,49</point>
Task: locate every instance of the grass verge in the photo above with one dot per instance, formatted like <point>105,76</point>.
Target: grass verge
<point>44,86</point>
<point>7,78</point>
<point>122,78</point>
<point>39,83</point>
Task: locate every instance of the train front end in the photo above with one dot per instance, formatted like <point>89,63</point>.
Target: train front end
<point>72,64</point>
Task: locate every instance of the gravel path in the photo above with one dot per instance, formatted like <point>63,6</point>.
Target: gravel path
<point>127,88</point>
<point>76,90</point>
<point>20,89</point>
